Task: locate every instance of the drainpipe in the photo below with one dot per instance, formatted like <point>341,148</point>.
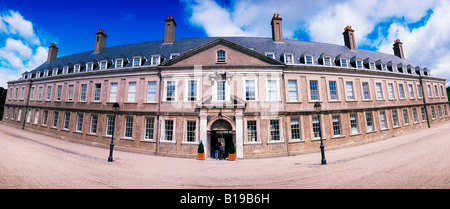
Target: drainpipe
<point>26,107</point>
<point>284,114</point>
<point>424,102</point>
<point>157,114</point>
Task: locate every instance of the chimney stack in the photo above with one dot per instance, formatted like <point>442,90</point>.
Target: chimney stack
<point>169,30</point>
<point>52,52</point>
<point>349,37</point>
<point>100,40</point>
<point>398,49</point>
<point>277,30</point>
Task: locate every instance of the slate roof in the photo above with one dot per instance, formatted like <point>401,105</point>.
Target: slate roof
<point>258,44</point>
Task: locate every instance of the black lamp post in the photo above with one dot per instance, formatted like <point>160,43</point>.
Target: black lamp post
<point>111,146</point>
<point>317,107</point>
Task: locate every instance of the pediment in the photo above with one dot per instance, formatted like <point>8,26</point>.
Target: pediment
<point>235,54</point>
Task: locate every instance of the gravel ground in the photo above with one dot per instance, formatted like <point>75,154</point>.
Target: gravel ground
<point>417,159</point>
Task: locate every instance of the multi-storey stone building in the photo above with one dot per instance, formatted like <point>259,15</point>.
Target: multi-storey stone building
<point>258,92</point>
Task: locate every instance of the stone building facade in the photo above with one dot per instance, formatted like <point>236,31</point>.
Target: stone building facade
<point>257,92</point>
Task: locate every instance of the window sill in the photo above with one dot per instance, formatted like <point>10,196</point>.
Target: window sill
<point>338,136</point>
<point>165,141</point>
<point>91,134</point>
<point>126,139</point>
<point>275,142</point>
<point>355,134</point>
<point>369,132</point>
<point>191,143</point>
<point>317,139</point>
<point>296,141</point>
<point>252,143</point>
<point>147,140</point>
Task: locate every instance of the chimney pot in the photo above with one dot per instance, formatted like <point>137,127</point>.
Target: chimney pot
<point>398,49</point>
<point>169,31</point>
<point>52,52</point>
<point>100,40</point>
<point>349,37</point>
<point>277,30</point>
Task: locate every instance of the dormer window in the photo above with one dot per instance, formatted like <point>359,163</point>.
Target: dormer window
<point>38,74</point>
<point>221,56</point>
<point>372,65</point>
<point>89,66</point>
<point>155,59</point>
<point>289,58</point>
<point>55,71</point>
<point>45,73</point>
<point>309,60</point>
<point>137,61</point>
<point>76,68</point>
<point>327,61</point>
<point>270,54</point>
<point>103,65</point>
<point>359,64</point>
<point>65,70</point>
<point>344,63</point>
<point>383,67</point>
<point>119,63</point>
<point>173,55</point>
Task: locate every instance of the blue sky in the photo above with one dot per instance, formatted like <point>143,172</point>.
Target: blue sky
<point>28,27</point>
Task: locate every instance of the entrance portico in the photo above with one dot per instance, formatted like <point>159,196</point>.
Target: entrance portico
<point>225,125</point>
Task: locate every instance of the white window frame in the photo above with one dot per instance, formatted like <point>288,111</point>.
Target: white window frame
<point>291,61</point>
<point>244,90</point>
<point>186,89</point>
<point>113,91</point>
<point>133,61</point>
<point>163,130</point>
<point>270,54</point>
<point>131,91</point>
<point>379,91</point>
<point>76,68</point>
<point>292,91</point>
<point>401,91</point>
<point>324,62</point>
<point>306,59</point>
<point>126,123</point>
<point>89,66</point>
<point>277,92</point>
<point>391,91</point>
<point>185,131</point>
<point>350,93</point>
<point>341,63</point>
<point>158,60</point>
<point>364,91</point>
<point>116,65</point>
<point>148,88</point>
<point>227,91</point>
<point>101,63</point>
<point>175,91</point>
<point>99,93</point>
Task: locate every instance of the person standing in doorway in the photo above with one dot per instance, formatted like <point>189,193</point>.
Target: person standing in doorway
<point>216,150</point>
<point>222,151</point>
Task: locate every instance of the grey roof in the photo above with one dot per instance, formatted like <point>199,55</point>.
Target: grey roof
<point>258,44</point>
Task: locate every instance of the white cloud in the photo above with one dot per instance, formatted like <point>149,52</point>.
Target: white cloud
<point>20,47</point>
<point>16,24</point>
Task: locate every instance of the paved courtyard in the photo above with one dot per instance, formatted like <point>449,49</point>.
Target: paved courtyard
<point>417,159</point>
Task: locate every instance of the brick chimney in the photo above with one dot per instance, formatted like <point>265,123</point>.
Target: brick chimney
<point>52,52</point>
<point>349,37</point>
<point>100,40</point>
<point>169,30</point>
<point>277,30</point>
<point>398,49</point>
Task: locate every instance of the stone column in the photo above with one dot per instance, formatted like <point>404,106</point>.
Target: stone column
<point>239,136</point>
<point>203,132</point>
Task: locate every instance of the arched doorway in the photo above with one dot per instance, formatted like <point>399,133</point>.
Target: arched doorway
<point>221,132</point>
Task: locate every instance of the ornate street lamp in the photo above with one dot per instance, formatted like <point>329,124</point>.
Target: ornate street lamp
<point>115,108</point>
<point>317,108</point>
